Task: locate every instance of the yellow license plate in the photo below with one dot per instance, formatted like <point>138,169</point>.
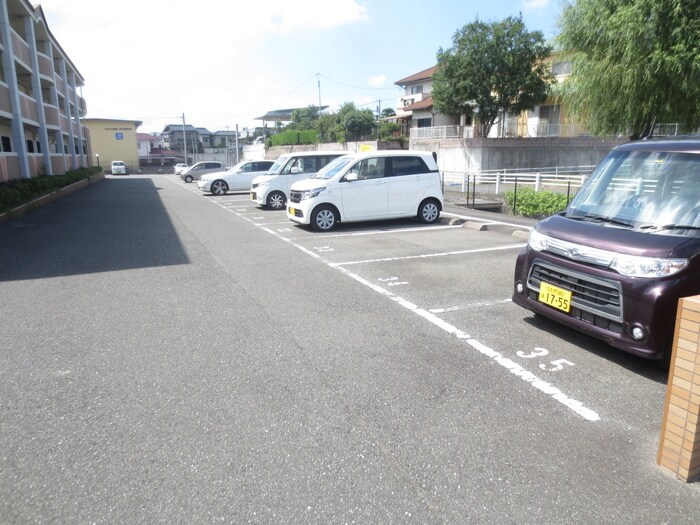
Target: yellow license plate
<point>291,211</point>
<point>555,296</point>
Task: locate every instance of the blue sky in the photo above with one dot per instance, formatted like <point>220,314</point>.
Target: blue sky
<point>224,63</point>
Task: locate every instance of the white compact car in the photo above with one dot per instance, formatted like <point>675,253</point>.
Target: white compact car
<point>237,178</point>
<point>272,190</point>
<point>118,167</point>
<point>369,186</point>
<point>196,171</point>
<point>180,167</point>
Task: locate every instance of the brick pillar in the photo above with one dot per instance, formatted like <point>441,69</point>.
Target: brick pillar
<point>679,446</point>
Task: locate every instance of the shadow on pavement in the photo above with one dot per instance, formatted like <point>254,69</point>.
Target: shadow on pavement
<point>119,224</point>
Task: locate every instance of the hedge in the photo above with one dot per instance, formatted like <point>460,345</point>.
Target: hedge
<point>293,137</point>
<point>535,204</point>
<point>21,191</point>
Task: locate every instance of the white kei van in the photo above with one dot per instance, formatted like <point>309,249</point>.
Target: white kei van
<point>369,186</point>
<point>118,167</point>
<point>272,189</point>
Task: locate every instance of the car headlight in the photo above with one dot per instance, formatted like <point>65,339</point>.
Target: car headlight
<point>537,241</point>
<point>310,194</point>
<point>648,267</point>
<point>264,183</point>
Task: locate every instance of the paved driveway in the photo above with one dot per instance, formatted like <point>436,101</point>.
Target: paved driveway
<point>174,357</point>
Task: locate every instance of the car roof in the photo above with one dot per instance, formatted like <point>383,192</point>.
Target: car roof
<point>313,153</point>
<point>674,143</point>
<point>390,153</point>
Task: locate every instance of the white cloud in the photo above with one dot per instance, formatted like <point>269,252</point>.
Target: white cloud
<point>377,81</point>
<point>151,60</point>
<point>535,4</point>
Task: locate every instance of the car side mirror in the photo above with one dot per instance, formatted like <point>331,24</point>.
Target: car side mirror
<point>294,170</point>
<point>351,176</point>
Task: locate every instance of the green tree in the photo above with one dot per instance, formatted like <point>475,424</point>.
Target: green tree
<point>388,130</point>
<point>492,68</point>
<point>304,118</point>
<point>633,63</point>
<point>358,124</point>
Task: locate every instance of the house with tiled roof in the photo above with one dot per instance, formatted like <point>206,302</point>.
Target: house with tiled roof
<point>414,108</point>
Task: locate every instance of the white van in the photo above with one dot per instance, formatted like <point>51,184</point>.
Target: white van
<point>118,167</point>
<point>272,190</point>
<point>369,186</point>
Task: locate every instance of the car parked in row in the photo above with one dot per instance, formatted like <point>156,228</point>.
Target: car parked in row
<point>179,168</point>
<point>196,171</point>
<point>615,263</point>
<point>369,186</point>
<point>272,189</point>
<point>237,178</point>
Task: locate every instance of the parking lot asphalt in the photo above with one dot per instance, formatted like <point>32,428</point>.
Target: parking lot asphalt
<point>177,357</point>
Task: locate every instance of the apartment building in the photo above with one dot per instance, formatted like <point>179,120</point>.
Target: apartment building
<point>41,108</point>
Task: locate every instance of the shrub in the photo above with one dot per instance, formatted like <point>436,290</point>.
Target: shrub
<point>21,191</point>
<point>293,137</point>
<point>536,204</point>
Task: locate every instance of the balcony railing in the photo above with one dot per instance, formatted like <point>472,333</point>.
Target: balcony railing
<point>443,132</point>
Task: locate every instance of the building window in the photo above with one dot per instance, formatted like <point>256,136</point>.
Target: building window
<point>549,121</point>
<point>415,90</point>
<point>30,146</point>
<point>6,144</point>
<point>561,68</point>
<point>425,122</point>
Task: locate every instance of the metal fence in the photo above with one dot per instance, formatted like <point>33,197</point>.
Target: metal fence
<point>489,186</point>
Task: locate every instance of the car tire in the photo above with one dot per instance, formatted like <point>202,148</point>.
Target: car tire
<point>324,218</point>
<point>188,178</point>
<point>219,187</point>
<point>429,211</point>
<point>276,200</point>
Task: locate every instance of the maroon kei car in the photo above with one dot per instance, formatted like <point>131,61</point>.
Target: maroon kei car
<point>616,261</point>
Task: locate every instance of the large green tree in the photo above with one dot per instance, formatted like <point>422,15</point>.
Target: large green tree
<point>491,68</point>
<point>634,63</point>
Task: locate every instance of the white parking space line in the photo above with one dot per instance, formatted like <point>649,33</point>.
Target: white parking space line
<point>485,221</point>
<point>514,368</point>
<point>429,255</point>
<point>385,231</point>
<point>479,304</point>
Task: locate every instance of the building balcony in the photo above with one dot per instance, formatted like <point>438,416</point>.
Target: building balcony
<point>29,109</point>
<point>5,106</point>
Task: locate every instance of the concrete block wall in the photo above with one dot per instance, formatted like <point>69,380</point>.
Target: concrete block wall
<point>679,445</point>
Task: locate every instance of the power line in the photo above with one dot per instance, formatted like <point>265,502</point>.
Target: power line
<point>358,87</point>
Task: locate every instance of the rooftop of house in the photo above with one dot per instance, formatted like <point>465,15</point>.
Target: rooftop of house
<point>426,74</point>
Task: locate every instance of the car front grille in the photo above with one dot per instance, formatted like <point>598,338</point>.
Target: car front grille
<point>594,300</point>
<point>295,196</point>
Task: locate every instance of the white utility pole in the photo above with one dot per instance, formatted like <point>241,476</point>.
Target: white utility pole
<point>184,137</point>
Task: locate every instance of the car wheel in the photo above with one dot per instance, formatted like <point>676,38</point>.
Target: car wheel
<point>219,187</point>
<point>323,219</point>
<point>188,178</point>
<point>276,200</point>
<point>429,212</point>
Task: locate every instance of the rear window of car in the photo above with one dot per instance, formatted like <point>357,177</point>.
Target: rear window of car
<point>262,166</point>
<point>407,166</point>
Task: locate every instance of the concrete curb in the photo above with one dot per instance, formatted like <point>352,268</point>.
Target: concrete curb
<point>50,197</point>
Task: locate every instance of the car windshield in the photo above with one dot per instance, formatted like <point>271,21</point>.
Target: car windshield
<point>652,191</point>
<point>277,166</point>
<point>332,168</point>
